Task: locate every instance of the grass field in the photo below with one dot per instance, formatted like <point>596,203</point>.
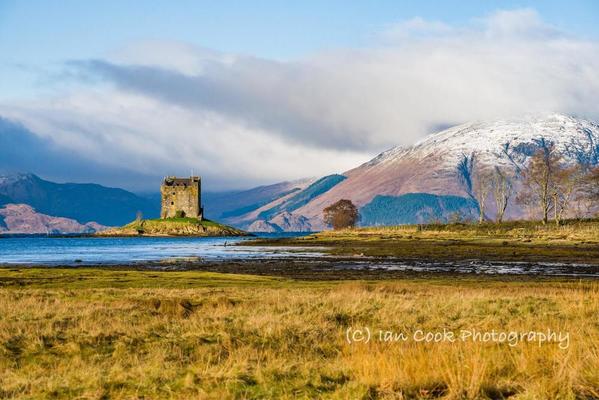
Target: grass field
<point>109,333</point>
<point>575,241</point>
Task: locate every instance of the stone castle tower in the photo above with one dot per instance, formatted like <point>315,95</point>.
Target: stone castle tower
<point>181,197</point>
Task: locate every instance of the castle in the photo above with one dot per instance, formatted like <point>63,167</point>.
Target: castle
<point>181,197</point>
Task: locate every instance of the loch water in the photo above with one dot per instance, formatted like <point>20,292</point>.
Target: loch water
<point>54,251</point>
<point>42,250</point>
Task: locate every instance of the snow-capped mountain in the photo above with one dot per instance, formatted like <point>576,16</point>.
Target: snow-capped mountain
<point>430,166</point>
<point>409,184</point>
<point>488,139</point>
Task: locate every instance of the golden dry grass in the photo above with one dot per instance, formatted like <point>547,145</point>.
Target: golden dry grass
<point>575,241</point>
<point>569,231</point>
<point>260,338</point>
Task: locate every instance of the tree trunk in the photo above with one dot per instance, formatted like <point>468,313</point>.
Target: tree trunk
<point>545,213</point>
<point>481,208</point>
<point>545,197</point>
<point>555,206</point>
<point>501,207</point>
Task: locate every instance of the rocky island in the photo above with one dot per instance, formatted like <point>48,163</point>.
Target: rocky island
<point>173,227</point>
<point>181,214</point>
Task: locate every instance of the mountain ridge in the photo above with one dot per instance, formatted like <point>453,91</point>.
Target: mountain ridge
<point>83,202</point>
<point>429,167</point>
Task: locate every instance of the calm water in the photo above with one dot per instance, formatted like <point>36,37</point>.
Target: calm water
<point>89,250</point>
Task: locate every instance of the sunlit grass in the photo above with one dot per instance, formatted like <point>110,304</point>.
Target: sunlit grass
<point>183,226</point>
<point>575,241</point>
<point>91,333</point>
<point>567,231</point>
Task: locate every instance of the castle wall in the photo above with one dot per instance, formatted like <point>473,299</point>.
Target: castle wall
<point>181,195</point>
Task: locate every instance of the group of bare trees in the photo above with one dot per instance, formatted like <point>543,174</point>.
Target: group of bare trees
<point>546,185</point>
<point>550,184</point>
<point>482,184</point>
<point>496,182</point>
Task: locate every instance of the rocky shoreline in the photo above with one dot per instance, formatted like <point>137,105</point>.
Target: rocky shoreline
<point>327,268</point>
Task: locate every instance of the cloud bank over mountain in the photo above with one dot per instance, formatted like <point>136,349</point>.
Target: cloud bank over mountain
<point>23,150</point>
<point>239,120</point>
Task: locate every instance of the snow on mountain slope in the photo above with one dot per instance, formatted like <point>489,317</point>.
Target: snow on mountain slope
<point>487,139</point>
<point>430,165</point>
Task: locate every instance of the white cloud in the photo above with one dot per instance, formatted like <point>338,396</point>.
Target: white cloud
<point>244,120</point>
<point>168,54</point>
<point>153,138</point>
<point>525,23</point>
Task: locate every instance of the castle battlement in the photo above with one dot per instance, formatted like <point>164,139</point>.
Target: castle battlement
<point>181,197</point>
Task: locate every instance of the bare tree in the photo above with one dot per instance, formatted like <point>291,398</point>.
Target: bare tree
<point>481,188</point>
<point>587,200</point>
<point>548,183</point>
<point>475,181</point>
<point>590,184</point>
<point>502,192</point>
<point>567,187</point>
<point>538,179</point>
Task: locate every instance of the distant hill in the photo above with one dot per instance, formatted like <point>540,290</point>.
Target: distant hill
<point>83,202</point>
<point>416,208</point>
<point>303,197</point>
<point>274,211</point>
<point>228,205</point>
<point>23,219</point>
<point>4,200</point>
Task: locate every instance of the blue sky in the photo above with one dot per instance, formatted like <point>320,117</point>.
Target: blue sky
<point>258,92</point>
<point>38,35</point>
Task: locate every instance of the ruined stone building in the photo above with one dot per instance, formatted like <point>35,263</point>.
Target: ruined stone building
<point>181,197</point>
